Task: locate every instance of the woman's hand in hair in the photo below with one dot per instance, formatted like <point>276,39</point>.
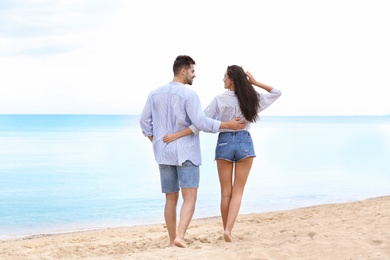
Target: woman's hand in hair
<point>257,83</point>
<point>250,78</point>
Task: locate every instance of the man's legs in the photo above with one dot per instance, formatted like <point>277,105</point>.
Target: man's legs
<point>186,213</point>
<point>170,186</point>
<point>188,175</point>
<point>170,215</point>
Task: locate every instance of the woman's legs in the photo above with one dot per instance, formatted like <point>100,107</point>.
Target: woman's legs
<point>232,190</point>
<point>225,173</point>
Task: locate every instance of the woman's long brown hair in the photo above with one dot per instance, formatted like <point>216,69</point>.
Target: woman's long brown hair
<point>248,97</point>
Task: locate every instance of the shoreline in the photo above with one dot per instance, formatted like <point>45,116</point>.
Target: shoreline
<point>27,236</point>
<point>61,230</point>
<point>352,230</point>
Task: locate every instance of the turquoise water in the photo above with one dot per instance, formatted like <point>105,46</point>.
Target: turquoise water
<point>64,173</point>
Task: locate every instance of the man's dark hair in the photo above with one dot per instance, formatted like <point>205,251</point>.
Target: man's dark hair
<point>182,61</point>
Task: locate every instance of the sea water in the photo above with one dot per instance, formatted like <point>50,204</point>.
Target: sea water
<point>62,173</point>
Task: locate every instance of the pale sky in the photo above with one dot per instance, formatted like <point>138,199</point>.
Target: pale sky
<point>104,56</point>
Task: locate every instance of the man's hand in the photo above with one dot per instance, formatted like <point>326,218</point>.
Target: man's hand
<point>236,124</point>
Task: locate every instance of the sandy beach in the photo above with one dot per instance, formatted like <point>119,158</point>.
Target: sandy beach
<point>355,230</point>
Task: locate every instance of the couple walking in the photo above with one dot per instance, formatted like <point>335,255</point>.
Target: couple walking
<point>172,119</point>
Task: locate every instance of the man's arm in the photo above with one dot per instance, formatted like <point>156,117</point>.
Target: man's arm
<point>234,124</point>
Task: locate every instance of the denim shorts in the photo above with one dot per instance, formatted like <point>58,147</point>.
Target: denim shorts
<point>234,146</point>
<point>174,177</point>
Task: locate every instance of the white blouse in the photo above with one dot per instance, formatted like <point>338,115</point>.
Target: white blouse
<point>225,107</point>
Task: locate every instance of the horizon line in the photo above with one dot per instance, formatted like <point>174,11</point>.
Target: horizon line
<point>120,114</point>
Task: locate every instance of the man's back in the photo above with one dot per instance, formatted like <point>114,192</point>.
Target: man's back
<point>169,108</point>
<point>172,108</point>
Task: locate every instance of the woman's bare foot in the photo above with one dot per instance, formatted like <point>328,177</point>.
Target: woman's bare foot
<point>227,237</point>
<point>180,242</point>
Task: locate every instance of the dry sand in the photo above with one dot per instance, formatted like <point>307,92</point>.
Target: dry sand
<point>356,230</point>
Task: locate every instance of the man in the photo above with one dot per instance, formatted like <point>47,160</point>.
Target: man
<point>169,109</point>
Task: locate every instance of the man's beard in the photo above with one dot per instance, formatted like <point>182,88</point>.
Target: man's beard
<point>189,81</point>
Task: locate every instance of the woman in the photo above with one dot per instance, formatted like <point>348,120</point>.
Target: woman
<point>234,152</point>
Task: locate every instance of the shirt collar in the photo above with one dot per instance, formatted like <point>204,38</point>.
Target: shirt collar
<point>176,83</point>
<point>230,93</point>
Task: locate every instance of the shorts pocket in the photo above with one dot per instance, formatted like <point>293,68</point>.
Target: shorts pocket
<point>223,144</point>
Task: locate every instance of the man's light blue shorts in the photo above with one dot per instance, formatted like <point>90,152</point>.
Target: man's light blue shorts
<point>174,177</point>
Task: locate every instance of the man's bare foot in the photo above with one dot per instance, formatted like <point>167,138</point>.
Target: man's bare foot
<point>227,237</point>
<point>180,242</point>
